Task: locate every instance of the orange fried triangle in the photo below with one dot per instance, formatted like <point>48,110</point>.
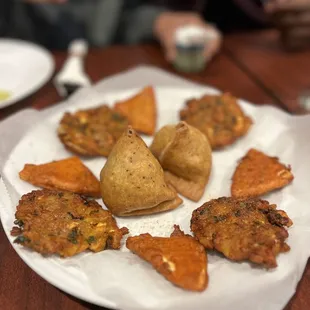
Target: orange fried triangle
<point>258,174</point>
<point>140,111</point>
<point>68,174</point>
<point>181,259</point>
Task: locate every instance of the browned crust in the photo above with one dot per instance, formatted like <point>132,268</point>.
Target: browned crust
<point>219,117</point>
<point>180,258</point>
<point>242,229</point>
<point>68,174</point>
<point>258,174</point>
<point>91,132</point>
<point>64,223</point>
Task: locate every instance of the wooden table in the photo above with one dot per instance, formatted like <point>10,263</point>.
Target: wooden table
<point>243,68</point>
<point>282,75</point>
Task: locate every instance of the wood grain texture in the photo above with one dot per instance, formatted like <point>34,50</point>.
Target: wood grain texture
<point>284,75</point>
<point>20,287</point>
<point>100,63</point>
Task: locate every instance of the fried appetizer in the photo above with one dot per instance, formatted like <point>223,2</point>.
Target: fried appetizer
<point>219,117</point>
<point>184,153</point>
<point>242,229</point>
<point>140,111</point>
<point>258,174</point>
<point>181,259</point>
<point>91,132</point>
<point>132,180</point>
<point>63,223</point>
<point>67,174</point>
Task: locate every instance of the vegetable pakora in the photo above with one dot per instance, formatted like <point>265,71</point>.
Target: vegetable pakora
<point>69,174</point>
<point>92,132</point>
<point>242,229</point>
<point>64,223</point>
<point>258,174</point>
<point>219,117</point>
<point>180,259</point>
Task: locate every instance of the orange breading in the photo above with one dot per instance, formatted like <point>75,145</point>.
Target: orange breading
<point>180,259</point>
<point>140,111</point>
<point>258,174</point>
<point>68,174</point>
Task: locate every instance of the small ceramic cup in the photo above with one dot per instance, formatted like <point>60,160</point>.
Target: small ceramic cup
<point>191,42</point>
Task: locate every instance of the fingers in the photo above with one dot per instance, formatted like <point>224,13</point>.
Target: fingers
<point>212,48</point>
<point>169,47</point>
<point>167,24</point>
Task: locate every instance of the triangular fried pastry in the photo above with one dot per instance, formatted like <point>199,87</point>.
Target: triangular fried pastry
<point>132,180</point>
<point>181,259</point>
<point>185,155</point>
<point>68,174</point>
<point>258,174</point>
<point>140,110</point>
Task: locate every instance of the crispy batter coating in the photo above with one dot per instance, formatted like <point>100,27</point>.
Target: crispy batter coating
<point>180,259</point>
<point>258,174</point>
<point>242,229</point>
<point>140,111</point>
<point>63,223</point>
<point>219,117</point>
<point>91,132</point>
<point>68,174</point>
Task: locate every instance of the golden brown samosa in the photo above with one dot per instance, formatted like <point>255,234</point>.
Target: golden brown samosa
<point>185,155</point>
<point>68,174</point>
<point>132,180</point>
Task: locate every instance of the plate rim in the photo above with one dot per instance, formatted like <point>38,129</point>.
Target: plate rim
<point>41,81</point>
<point>94,298</point>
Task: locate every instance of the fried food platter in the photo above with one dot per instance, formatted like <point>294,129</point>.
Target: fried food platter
<point>121,280</point>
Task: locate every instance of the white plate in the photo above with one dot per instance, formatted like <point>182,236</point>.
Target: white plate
<point>24,68</point>
<point>119,279</point>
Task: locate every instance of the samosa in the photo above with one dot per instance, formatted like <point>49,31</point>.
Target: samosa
<point>185,154</point>
<point>132,180</point>
<point>68,174</point>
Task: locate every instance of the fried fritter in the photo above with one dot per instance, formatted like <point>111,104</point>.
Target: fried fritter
<point>242,229</point>
<point>63,223</point>
<point>180,259</point>
<point>140,111</point>
<point>92,132</point>
<point>219,117</point>
<point>258,174</point>
<point>68,174</point>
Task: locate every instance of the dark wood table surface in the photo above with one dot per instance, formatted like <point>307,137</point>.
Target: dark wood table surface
<point>251,65</point>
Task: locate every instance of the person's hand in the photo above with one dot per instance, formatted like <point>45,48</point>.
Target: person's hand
<point>292,18</point>
<point>166,25</point>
